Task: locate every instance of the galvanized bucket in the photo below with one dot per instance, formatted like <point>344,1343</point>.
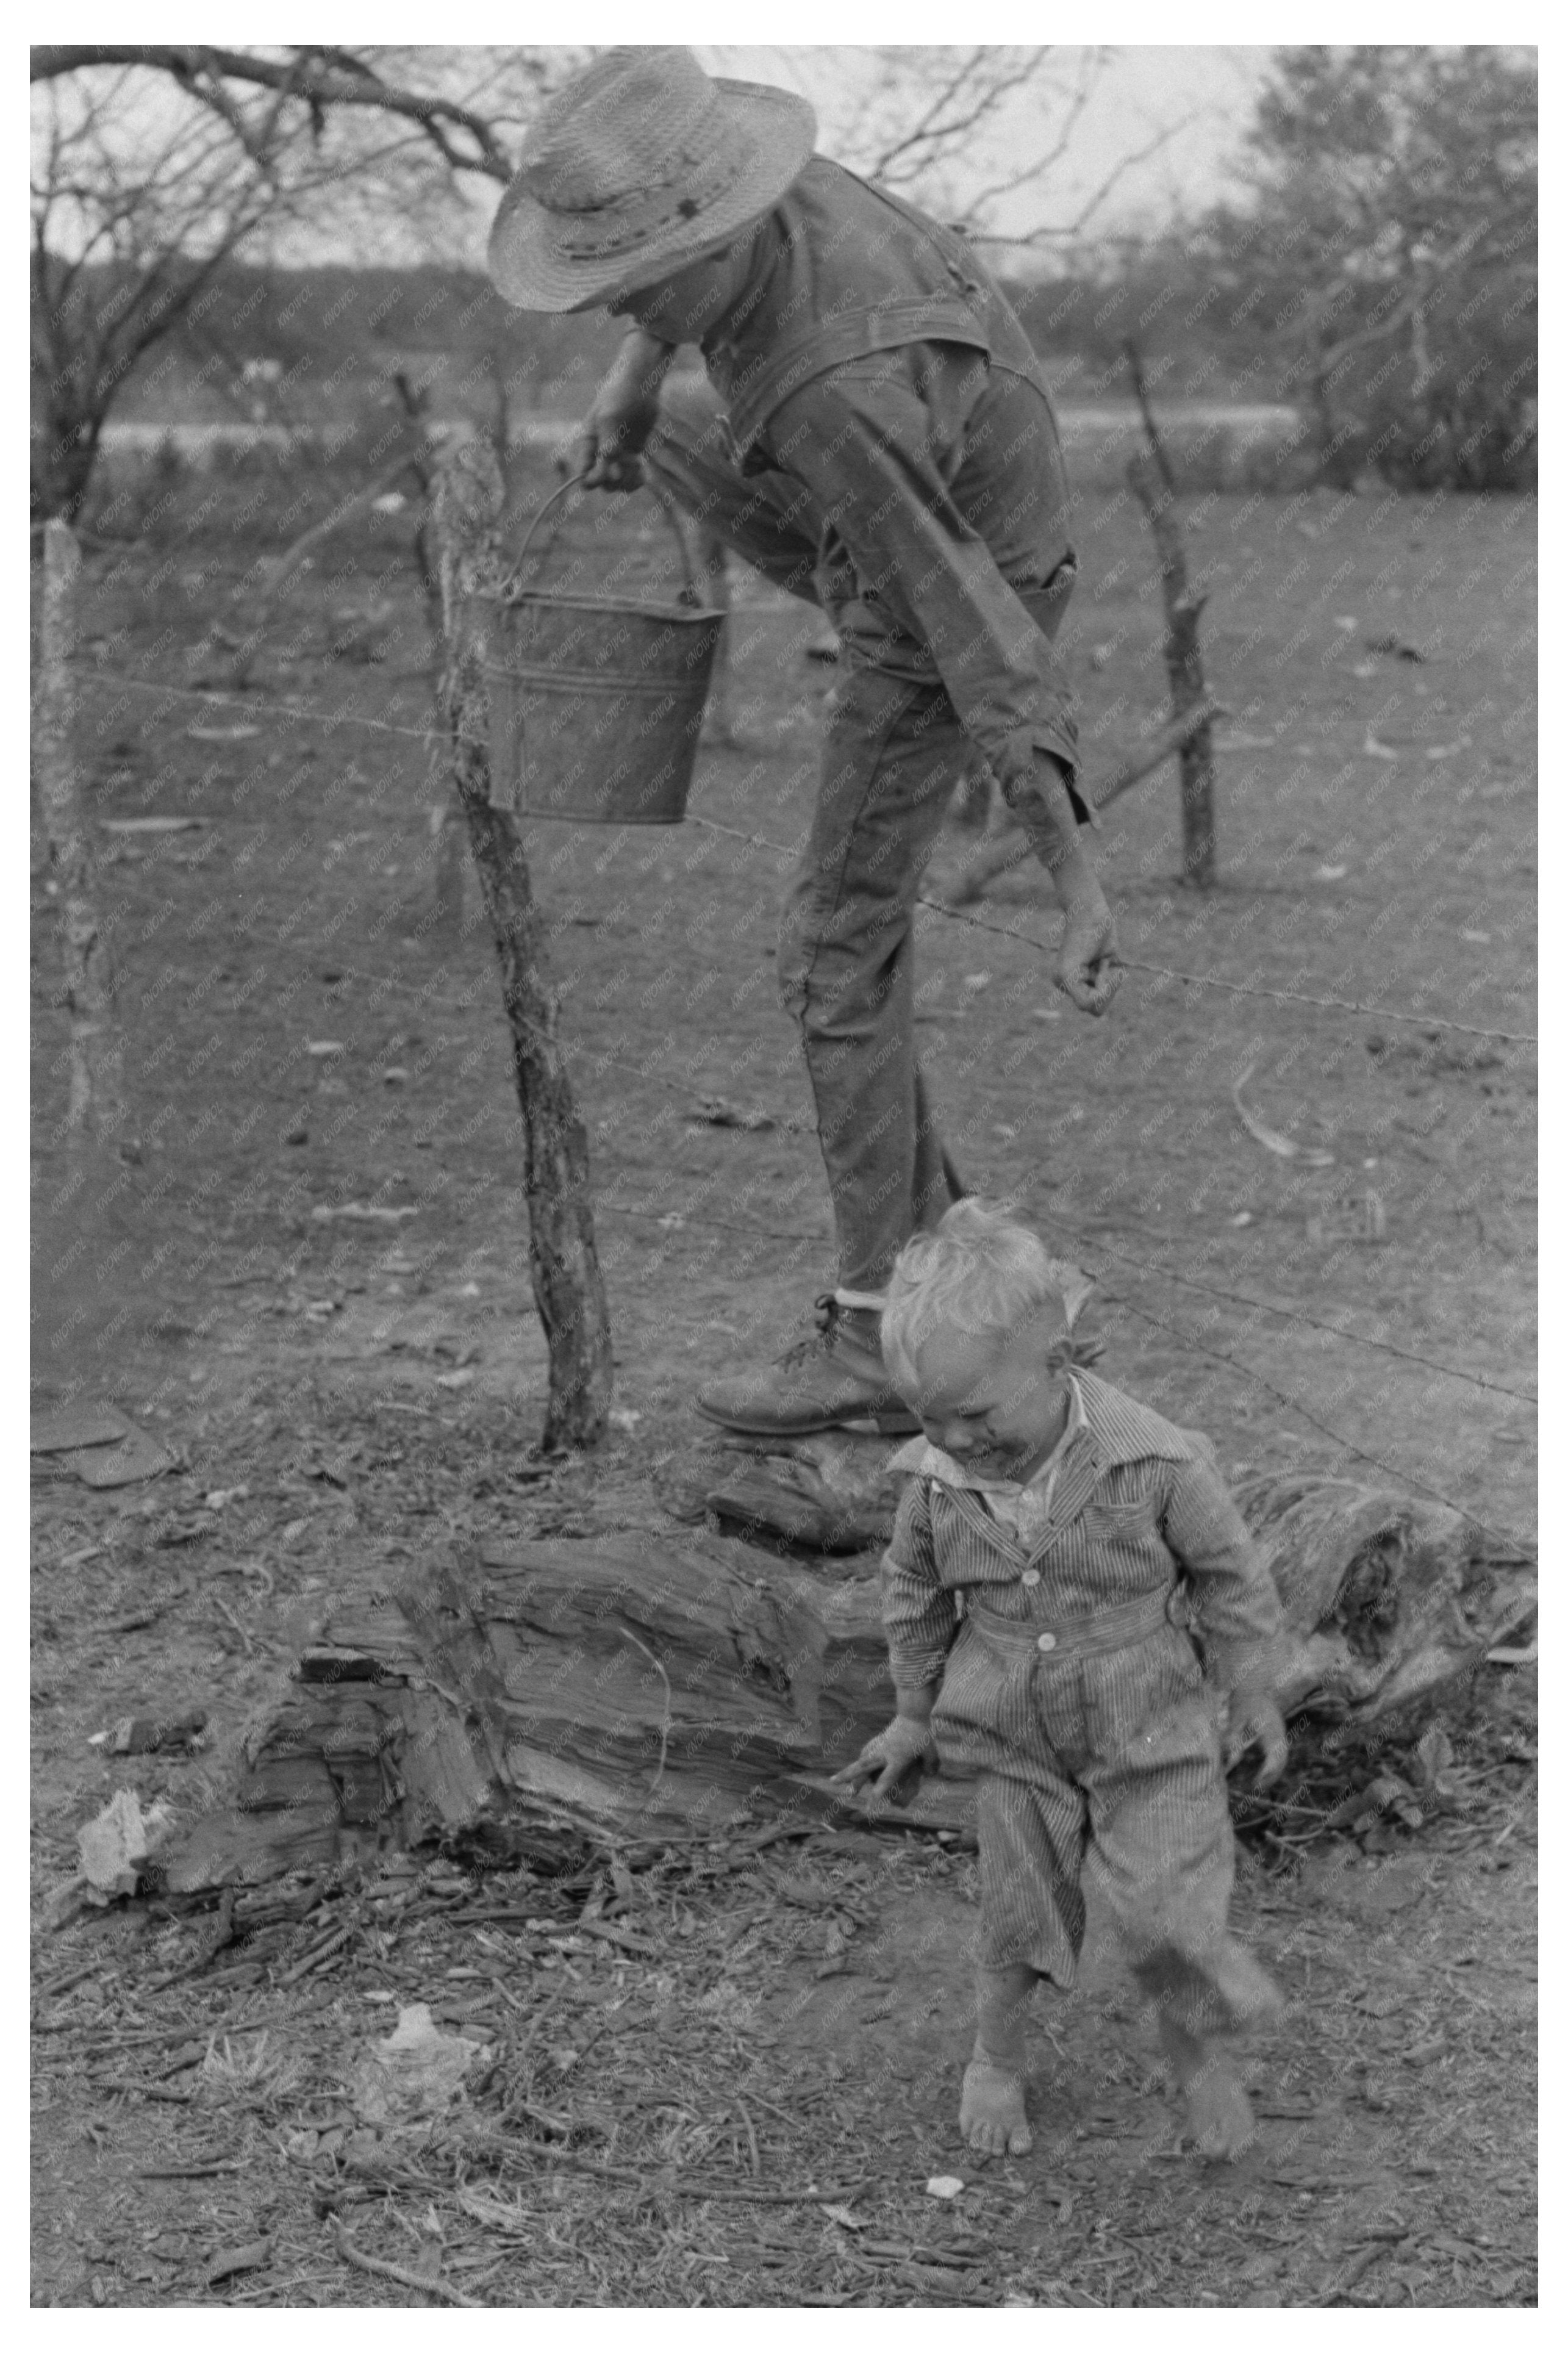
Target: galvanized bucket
<point>596,701</point>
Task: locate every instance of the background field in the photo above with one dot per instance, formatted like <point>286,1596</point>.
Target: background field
<point>347,1397</point>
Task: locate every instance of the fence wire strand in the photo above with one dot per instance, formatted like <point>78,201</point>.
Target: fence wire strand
<point>676,1221</point>
<point>427,735</point>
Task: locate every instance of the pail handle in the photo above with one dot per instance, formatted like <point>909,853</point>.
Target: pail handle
<point>667,505</point>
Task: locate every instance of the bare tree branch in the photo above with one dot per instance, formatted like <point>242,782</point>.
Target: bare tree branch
<point>931,132</point>
<point>322,78</point>
<point>1064,232</point>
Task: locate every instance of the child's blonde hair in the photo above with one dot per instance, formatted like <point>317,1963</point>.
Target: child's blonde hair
<point>980,1273</point>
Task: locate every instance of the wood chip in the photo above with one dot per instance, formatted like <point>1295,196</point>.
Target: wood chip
<point>248,2258</point>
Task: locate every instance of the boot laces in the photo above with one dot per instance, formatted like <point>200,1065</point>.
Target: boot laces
<point>825,1339</point>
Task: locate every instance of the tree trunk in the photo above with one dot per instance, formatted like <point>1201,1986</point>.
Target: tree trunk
<point>640,1686</point>
<point>62,456</point>
<point>1154,484</point>
<point>96,1104</point>
<point>564,1265</point>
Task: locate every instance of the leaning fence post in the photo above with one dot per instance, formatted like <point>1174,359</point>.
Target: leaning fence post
<point>1154,484</point>
<point>563,1259</point>
<point>95,1106</point>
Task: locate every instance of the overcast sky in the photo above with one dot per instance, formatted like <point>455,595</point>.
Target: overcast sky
<point>1202,95</point>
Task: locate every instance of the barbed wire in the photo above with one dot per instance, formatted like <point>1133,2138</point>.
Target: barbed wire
<point>428,735</point>
<point>1195,1347</point>
<point>269,707</point>
<point>1221,1357</point>
<point>676,1221</point>
<point>1332,1004</point>
<point>1132,963</point>
<point>1299,1315</point>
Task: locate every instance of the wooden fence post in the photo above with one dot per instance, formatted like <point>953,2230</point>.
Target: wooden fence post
<point>1154,484</point>
<point>96,1100</point>
<point>562,1260</point>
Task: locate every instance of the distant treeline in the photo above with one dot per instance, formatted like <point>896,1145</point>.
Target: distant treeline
<point>321,341</point>
<point>1449,399</point>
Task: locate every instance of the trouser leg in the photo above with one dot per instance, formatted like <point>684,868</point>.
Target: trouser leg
<point>893,754</point>
<point>1163,1851</point>
<point>1032,1831</point>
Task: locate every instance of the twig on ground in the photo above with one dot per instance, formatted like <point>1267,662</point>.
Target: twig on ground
<point>189,2172</point>
<point>334,1944</point>
<point>220,1605</point>
<point>668,2181</point>
<point>148,2091</point>
<point>622,1936</point>
<point>1358,2267</point>
<point>354,2254</point>
<point>57,1986</point>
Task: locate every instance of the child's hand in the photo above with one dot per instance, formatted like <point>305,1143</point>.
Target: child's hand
<point>906,1747</point>
<point>1256,1722</point>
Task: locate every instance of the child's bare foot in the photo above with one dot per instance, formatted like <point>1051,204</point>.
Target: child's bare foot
<point>1219,2114</point>
<point>991,2114</point>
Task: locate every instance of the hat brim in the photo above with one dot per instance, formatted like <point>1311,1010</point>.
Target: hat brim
<point>531,272</point>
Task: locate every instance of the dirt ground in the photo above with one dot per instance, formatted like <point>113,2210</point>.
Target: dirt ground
<point>345,1395</point>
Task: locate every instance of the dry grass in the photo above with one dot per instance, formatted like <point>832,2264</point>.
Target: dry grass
<point>750,2116</point>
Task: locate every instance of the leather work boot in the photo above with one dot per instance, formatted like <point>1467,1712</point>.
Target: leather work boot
<point>836,1376</point>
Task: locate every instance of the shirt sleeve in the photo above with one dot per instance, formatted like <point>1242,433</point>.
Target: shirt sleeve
<point>920,1614</point>
<point>866,446</point>
<point>1237,1605</point>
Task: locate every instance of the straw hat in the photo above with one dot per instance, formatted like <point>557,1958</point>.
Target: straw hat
<point>638,165</point>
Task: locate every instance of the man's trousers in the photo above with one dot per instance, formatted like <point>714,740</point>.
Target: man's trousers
<point>894,754</point>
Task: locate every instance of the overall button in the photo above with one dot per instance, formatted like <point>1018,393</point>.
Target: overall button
<point>1045,1643</point>
<point>1030,1576</point>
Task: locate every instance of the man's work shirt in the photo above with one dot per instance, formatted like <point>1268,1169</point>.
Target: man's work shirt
<point>1127,1507</point>
<point>871,361</point>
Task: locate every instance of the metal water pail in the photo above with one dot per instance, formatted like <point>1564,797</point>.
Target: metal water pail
<point>597,702</point>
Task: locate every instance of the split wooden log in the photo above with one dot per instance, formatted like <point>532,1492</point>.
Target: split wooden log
<point>1153,483</point>
<point>562,1258</point>
<point>641,1686</point>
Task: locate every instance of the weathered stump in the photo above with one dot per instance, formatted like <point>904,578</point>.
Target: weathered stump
<point>643,1686</point>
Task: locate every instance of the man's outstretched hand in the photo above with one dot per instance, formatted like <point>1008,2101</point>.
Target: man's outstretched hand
<point>889,1758</point>
<point>1087,966</point>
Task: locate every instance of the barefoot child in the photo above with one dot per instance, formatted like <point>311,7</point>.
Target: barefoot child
<point>1070,1518</point>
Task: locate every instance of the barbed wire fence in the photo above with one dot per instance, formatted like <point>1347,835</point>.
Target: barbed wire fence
<point>169,696</point>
